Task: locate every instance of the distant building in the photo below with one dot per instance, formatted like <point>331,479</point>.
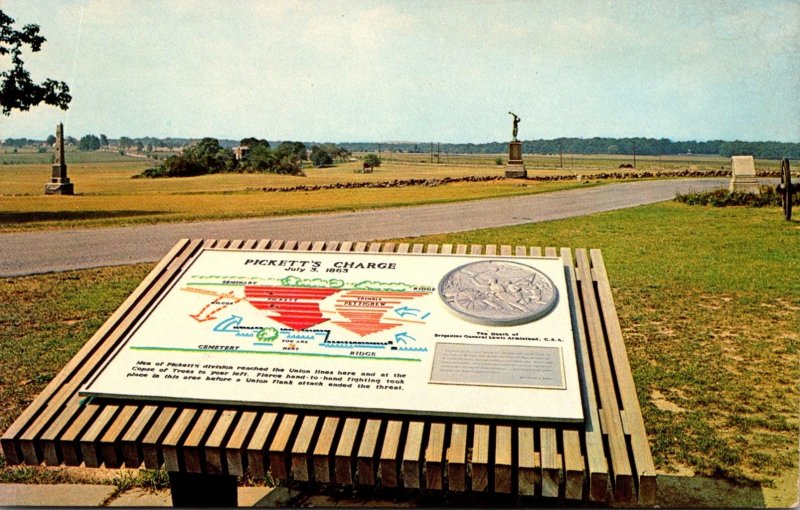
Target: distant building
<point>241,152</point>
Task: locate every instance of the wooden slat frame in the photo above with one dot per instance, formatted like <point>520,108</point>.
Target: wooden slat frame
<point>607,458</point>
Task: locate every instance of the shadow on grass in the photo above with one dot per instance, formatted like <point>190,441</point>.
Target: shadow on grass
<point>701,492</point>
<point>12,218</point>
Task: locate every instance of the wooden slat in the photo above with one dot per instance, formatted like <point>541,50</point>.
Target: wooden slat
<point>432,249</point>
<point>417,248</point>
<point>304,246</point>
<point>573,465</point>
<point>388,248</point>
<point>324,449</point>
<point>480,458</point>
<point>360,247</point>
<point>301,450</point>
<point>434,457</point>
<point>505,250</point>
<point>343,458</point>
<point>367,452</point>
<point>318,246</point>
<point>643,459</point>
<point>256,459</point>
<point>214,452</point>
<point>490,250</point>
<point>551,462</point>
<point>502,460</point>
<point>89,441</point>
<point>412,461</point>
<point>609,409</point>
<point>132,440</point>
<point>150,444</point>
<point>447,249</point>
<point>68,441</point>
<point>388,463</point>
<point>169,447</point>
<point>520,251</point>
<point>48,440</point>
<point>402,248</point>
<point>346,246</point>
<point>234,448</point>
<point>476,249</point>
<point>526,465</point>
<point>374,247</point>
<point>279,447</point>
<point>597,466</point>
<point>192,454</point>
<point>457,458</point>
<point>110,443</point>
<point>461,249</point>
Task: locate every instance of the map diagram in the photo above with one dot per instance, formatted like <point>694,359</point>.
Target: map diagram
<point>296,315</point>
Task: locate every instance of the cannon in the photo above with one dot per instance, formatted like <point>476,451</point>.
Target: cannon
<point>786,189</point>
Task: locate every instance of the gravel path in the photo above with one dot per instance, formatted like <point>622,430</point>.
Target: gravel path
<point>61,250</point>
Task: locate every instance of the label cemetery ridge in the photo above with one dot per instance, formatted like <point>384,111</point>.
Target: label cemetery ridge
<point>358,331</point>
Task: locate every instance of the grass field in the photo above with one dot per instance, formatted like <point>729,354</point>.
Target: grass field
<point>708,298</point>
<point>108,195</point>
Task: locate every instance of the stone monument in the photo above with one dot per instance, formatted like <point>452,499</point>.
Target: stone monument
<point>515,167</point>
<point>743,175</point>
<point>59,182</point>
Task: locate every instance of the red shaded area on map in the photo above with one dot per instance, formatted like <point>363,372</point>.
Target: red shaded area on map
<point>364,310</point>
<point>297,308</point>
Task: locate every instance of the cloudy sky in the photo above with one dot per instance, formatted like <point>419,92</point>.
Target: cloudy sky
<point>436,70</point>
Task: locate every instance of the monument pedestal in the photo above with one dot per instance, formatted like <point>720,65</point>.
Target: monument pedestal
<point>743,175</point>
<point>515,167</point>
<point>59,182</point>
<point>59,188</point>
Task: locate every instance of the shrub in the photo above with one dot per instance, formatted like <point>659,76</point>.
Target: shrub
<point>724,198</point>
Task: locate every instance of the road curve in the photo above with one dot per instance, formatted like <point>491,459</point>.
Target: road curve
<point>61,250</point>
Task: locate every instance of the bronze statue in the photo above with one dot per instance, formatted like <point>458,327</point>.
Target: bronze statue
<point>516,125</point>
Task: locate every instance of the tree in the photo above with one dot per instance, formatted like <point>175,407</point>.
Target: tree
<point>372,160</point>
<point>297,149</point>
<point>89,143</point>
<point>51,139</point>
<point>253,142</point>
<point>320,156</point>
<point>17,90</point>
<point>103,140</point>
<point>125,142</point>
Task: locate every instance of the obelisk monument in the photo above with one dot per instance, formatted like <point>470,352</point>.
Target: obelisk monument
<point>59,183</point>
<point>515,167</point>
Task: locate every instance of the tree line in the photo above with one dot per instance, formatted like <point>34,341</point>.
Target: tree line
<point>596,145</point>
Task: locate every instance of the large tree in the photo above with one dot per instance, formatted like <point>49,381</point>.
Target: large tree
<point>17,90</point>
<point>89,143</point>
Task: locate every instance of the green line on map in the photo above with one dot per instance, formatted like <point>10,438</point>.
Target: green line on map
<point>181,349</point>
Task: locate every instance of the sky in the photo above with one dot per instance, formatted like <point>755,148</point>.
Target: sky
<point>425,71</point>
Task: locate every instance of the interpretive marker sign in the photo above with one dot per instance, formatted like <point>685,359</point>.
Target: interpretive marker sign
<point>419,334</point>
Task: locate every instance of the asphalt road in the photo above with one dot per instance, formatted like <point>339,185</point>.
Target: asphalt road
<point>61,250</point>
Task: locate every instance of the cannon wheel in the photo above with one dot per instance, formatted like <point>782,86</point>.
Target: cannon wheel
<point>786,188</point>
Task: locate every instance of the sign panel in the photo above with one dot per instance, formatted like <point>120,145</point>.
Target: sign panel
<point>413,334</point>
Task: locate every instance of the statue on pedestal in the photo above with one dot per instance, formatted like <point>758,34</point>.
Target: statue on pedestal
<point>59,182</point>
<point>516,125</point>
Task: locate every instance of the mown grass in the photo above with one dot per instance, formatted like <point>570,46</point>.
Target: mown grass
<point>35,212</point>
<point>708,298</point>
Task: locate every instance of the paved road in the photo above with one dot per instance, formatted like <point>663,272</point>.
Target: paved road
<point>44,252</point>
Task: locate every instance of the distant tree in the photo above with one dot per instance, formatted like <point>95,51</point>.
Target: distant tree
<point>297,149</point>
<point>372,160</point>
<point>103,140</point>
<point>139,145</point>
<point>125,142</point>
<point>89,143</point>
<point>51,139</point>
<point>253,142</point>
<point>70,140</point>
<point>320,156</point>
<point>261,158</point>
<point>17,90</point>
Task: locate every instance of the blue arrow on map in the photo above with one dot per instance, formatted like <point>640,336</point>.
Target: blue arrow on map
<point>403,311</point>
<point>402,337</point>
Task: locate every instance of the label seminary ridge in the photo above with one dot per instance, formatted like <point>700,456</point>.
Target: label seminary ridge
<point>400,333</point>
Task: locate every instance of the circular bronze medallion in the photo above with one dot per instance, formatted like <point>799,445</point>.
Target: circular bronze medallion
<point>498,293</point>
